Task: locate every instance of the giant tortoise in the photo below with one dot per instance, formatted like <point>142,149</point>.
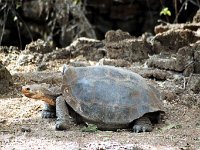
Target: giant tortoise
<point>109,97</point>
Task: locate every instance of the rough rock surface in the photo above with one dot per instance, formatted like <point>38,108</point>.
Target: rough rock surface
<point>114,62</point>
<point>5,79</point>
<point>194,83</point>
<point>156,74</point>
<point>186,60</point>
<point>34,52</point>
<point>120,45</point>
<point>40,52</point>
<point>177,62</point>
<point>196,49</point>
<point>116,36</point>
<point>39,46</point>
<point>163,28</point>
<point>172,40</point>
<point>196,18</point>
<point>39,77</point>
<point>91,49</point>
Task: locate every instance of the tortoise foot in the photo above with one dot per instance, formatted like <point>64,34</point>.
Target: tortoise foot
<point>48,114</point>
<point>62,125</point>
<point>49,111</point>
<point>142,124</point>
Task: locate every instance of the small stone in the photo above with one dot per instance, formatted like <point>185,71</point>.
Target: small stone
<point>25,129</point>
<point>79,63</point>
<point>114,62</point>
<point>42,67</point>
<point>3,121</point>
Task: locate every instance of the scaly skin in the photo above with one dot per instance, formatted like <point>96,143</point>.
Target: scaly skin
<point>55,104</point>
<point>143,124</point>
<point>38,92</point>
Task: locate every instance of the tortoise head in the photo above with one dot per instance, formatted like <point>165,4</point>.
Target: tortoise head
<point>39,92</point>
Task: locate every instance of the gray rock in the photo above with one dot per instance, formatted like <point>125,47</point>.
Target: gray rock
<point>197,57</point>
<point>116,36</point>
<point>39,77</point>
<point>91,49</point>
<point>114,62</point>
<point>120,45</point>
<point>39,46</point>
<point>172,40</point>
<point>156,74</point>
<point>42,66</point>
<point>194,83</point>
<point>163,28</point>
<point>157,61</point>
<point>79,63</point>
<point>24,59</point>
<point>182,61</point>
<point>5,79</point>
<point>196,18</point>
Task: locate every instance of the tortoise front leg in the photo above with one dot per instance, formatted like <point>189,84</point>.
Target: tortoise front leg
<point>49,111</point>
<point>63,120</point>
<point>143,124</point>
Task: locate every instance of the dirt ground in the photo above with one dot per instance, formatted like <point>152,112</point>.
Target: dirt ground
<point>21,126</point>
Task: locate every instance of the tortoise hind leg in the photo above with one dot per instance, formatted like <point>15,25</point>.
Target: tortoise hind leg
<point>63,121</point>
<point>142,124</point>
<point>49,111</point>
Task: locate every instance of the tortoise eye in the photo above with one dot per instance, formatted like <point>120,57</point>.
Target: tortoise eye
<point>28,89</point>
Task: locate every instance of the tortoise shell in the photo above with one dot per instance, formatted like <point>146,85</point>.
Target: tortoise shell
<point>109,96</point>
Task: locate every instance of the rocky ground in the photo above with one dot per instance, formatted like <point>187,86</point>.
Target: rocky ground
<point>169,61</point>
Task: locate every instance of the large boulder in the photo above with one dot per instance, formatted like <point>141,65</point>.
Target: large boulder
<point>121,45</point>
<point>186,60</point>
<point>171,40</point>
<point>5,79</point>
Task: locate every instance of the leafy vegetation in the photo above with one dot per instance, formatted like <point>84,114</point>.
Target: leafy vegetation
<point>90,128</point>
<point>165,11</point>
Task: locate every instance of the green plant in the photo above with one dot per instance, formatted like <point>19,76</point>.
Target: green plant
<point>89,128</point>
<point>165,11</point>
<point>179,7</point>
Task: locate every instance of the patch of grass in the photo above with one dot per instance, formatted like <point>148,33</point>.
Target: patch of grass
<point>90,128</point>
